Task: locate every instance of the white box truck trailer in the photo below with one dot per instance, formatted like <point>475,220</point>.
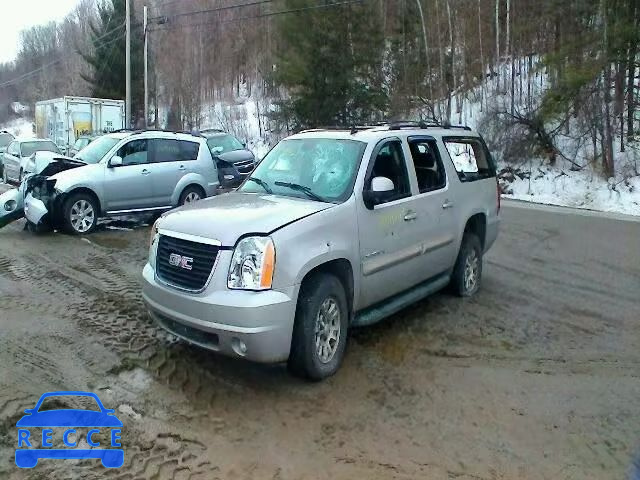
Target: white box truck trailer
<point>65,119</point>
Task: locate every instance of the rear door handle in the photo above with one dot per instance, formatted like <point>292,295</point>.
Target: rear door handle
<point>145,172</point>
<point>410,216</point>
<point>182,167</point>
<point>447,204</point>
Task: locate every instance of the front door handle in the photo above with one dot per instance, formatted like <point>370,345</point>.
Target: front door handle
<point>145,172</point>
<point>410,216</point>
<point>447,204</point>
<point>182,167</point>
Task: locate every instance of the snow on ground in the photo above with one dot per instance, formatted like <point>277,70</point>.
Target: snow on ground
<point>578,189</point>
<point>20,127</point>
<point>549,185</point>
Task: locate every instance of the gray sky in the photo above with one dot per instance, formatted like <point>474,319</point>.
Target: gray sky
<point>20,14</point>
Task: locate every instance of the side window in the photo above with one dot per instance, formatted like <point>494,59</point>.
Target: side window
<point>13,149</point>
<point>390,163</point>
<point>165,150</point>
<point>470,158</point>
<point>134,153</point>
<point>189,150</point>
<point>429,169</point>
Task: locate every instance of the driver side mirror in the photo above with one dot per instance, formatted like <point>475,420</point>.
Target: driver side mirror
<point>115,161</point>
<point>381,190</point>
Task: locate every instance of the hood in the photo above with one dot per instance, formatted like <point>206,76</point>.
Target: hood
<point>76,176</point>
<point>51,166</point>
<point>227,217</point>
<point>236,156</point>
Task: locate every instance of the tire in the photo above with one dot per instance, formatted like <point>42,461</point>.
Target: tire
<point>73,207</point>
<point>467,271</point>
<point>191,194</point>
<point>319,296</point>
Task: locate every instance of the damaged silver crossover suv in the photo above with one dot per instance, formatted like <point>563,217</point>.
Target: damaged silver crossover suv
<point>122,173</point>
<point>333,229</point>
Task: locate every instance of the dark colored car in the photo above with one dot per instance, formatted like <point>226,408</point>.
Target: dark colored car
<point>233,159</point>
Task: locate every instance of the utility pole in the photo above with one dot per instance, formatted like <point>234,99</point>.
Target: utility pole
<point>127,122</point>
<point>146,72</point>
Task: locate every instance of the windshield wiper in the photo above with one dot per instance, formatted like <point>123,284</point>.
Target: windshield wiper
<point>304,189</point>
<point>262,183</point>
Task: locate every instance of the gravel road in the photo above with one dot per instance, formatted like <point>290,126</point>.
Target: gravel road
<point>536,377</point>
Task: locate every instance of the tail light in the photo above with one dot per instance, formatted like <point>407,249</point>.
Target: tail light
<point>497,195</point>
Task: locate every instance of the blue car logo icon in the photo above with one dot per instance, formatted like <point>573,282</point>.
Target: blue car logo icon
<point>68,419</point>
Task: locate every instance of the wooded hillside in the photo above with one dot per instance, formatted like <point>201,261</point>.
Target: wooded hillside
<point>536,69</point>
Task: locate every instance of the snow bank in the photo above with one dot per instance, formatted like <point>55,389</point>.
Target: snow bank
<point>20,127</point>
<point>577,189</point>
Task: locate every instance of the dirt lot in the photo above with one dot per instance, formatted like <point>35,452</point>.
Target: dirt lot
<point>536,377</point>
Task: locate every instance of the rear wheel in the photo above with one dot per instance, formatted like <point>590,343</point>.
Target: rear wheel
<point>467,272</point>
<point>320,330</point>
<point>80,214</point>
<point>191,194</point>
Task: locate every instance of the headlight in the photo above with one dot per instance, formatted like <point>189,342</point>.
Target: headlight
<point>153,244</point>
<point>252,264</point>
<point>10,205</point>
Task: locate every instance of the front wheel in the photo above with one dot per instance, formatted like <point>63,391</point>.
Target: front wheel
<point>467,272</point>
<point>80,214</point>
<point>320,329</point>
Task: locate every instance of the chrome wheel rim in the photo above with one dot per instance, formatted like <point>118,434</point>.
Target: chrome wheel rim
<point>82,216</point>
<point>327,330</point>
<point>191,197</point>
<point>471,271</point>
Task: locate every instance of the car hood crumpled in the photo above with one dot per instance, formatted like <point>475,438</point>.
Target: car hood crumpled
<point>230,216</point>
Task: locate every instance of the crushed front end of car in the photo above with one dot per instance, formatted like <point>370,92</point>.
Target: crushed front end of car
<point>36,198</point>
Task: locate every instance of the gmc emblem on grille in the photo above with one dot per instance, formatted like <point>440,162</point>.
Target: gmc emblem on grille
<point>180,261</point>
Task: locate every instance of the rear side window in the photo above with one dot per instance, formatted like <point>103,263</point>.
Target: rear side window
<point>189,150</point>
<point>429,169</point>
<point>165,150</point>
<point>168,150</point>
<point>470,157</point>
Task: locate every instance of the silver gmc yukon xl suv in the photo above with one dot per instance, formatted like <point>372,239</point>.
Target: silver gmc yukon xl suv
<point>333,229</point>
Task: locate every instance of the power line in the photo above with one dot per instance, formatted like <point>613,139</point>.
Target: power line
<point>53,62</point>
<point>212,10</point>
<point>263,15</point>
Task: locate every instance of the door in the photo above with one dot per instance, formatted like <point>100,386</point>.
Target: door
<point>168,169</point>
<point>435,207</point>
<point>390,238</point>
<point>11,160</point>
<point>129,186</point>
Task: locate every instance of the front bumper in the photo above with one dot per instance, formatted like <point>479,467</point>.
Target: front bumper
<point>252,325</point>
<point>34,209</point>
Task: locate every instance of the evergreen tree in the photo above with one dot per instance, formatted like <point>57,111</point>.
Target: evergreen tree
<point>108,58</point>
<point>330,64</point>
